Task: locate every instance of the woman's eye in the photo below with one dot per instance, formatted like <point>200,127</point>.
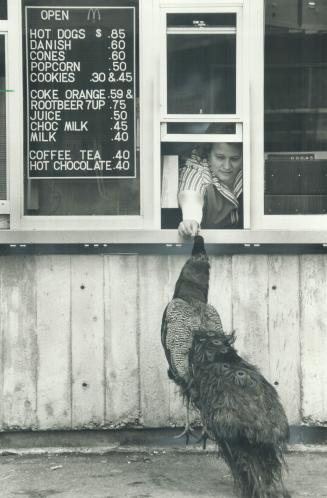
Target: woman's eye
<point>221,158</point>
<point>235,159</point>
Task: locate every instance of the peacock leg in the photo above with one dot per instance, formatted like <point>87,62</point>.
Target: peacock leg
<point>204,437</point>
<point>188,431</point>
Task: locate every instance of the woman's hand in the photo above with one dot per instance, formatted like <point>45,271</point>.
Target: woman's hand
<point>188,228</point>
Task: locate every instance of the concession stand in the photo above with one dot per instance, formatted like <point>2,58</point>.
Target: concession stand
<point>100,102</point>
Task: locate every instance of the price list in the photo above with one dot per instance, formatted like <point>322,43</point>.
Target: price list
<point>79,91</point>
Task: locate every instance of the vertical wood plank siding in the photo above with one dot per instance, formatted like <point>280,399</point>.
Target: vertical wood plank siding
<point>53,328</point>
<point>250,309</point>
<point>314,338</point>
<point>153,297</point>
<point>122,381</point>
<point>284,331</point>
<point>80,336</point>
<point>87,327</point>
<point>19,343</point>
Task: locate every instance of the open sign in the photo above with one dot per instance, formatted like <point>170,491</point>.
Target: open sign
<point>55,14</point>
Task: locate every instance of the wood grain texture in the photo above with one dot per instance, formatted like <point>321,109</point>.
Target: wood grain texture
<point>154,296</point>
<point>87,319</point>
<point>314,338</point>
<point>284,333</point>
<point>250,309</point>
<point>19,347</point>
<point>55,336</point>
<point>121,340</point>
<point>220,289</point>
<point>53,284</point>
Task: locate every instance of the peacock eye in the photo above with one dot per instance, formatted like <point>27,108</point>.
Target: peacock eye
<point>240,373</point>
<point>225,366</point>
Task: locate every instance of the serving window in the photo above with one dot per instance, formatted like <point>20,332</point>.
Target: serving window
<point>203,97</point>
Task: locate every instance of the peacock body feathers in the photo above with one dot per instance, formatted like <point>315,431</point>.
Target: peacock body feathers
<point>235,399</point>
<point>239,409</point>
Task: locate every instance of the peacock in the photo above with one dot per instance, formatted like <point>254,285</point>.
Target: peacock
<point>239,409</point>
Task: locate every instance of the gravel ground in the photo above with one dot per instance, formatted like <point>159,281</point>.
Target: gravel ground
<point>152,474</point>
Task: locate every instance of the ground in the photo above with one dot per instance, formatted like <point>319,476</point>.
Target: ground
<point>148,474</point>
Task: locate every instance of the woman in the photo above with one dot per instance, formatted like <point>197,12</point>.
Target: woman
<point>210,188</point>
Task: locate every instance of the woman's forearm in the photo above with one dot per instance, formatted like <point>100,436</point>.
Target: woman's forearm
<point>191,204</point>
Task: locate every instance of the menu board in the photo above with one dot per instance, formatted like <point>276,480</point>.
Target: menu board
<point>79,88</point>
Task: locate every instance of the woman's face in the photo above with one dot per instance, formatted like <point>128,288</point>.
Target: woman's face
<point>225,161</point>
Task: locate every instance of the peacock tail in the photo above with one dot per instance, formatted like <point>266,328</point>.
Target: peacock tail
<point>241,412</point>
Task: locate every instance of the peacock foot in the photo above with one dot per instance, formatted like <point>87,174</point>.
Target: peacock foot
<point>187,433</point>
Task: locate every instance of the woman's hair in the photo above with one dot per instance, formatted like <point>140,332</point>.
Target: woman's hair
<point>215,128</point>
<point>204,149</point>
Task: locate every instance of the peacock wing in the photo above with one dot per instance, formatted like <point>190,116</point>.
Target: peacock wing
<point>211,320</point>
<point>179,323</point>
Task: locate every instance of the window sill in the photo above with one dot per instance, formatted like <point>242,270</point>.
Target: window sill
<point>161,242</point>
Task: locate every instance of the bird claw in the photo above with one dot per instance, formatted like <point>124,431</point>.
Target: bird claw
<point>187,432</point>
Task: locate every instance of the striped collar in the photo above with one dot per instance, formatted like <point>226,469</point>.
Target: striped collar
<point>230,195</point>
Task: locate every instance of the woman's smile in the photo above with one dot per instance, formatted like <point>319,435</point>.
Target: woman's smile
<point>225,162</point>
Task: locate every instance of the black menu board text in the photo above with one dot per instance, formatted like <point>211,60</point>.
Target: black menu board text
<point>80,92</point>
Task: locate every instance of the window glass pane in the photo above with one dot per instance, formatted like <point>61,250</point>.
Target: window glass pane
<point>3,151</point>
<point>296,107</point>
<point>201,128</point>
<point>201,65</point>
<point>208,171</point>
<point>202,20</point>
<point>3,9</point>
<point>81,108</point>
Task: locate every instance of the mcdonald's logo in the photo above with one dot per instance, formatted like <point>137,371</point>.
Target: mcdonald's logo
<point>94,15</point>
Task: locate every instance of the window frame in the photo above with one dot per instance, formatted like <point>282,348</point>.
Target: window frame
<point>204,7</point>
<point>260,220</point>
<point>241,116</point>
<point>20,221</point>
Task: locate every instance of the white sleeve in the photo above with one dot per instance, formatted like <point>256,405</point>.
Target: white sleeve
<point>191,204</point>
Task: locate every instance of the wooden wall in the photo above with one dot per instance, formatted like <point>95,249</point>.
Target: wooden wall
<point>80,336</point>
